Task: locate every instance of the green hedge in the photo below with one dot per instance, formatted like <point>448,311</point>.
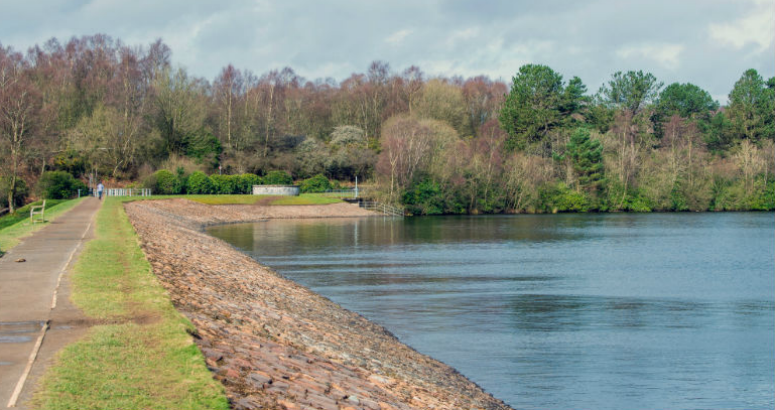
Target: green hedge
<point>245,183</point>
<point>318,183</point>
<point>60,185</point>
<point>163,182</point>
<point>200,183</point>
<point>225,184</point>
<point>278,178</point>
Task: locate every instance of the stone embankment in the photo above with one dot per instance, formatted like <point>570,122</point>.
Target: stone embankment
<point>273,343</point>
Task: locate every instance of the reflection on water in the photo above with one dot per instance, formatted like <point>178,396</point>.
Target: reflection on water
<point>560,311</point>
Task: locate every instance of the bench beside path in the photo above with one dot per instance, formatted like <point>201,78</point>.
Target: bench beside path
<point>33,297</point>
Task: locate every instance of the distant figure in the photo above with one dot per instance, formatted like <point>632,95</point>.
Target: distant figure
<point>100,188</point>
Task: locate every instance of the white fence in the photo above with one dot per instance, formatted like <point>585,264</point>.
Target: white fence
<point>386,209</point>
<point>126,192</point>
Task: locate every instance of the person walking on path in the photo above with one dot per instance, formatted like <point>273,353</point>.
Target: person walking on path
<point>100,188</point>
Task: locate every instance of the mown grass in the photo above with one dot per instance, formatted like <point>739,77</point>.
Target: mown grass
<point>144,359</point>
<point>308,199</point>
<point>303,199</point>
<point>23,213</point>
<point>16,226</point>
<point>222,199</point>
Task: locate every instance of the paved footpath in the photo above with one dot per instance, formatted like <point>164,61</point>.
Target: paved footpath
<point>36,317</point>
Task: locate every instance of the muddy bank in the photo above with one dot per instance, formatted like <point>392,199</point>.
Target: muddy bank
<point>275,344</point>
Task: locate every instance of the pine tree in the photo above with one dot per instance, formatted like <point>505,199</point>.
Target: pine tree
<point>587,156</point>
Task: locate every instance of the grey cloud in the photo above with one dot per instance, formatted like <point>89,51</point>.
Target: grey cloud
<point>337,37</point>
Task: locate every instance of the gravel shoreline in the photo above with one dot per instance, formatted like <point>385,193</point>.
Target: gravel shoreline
<point>275,344</point>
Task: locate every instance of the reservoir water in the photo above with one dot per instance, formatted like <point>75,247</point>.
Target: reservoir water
<point>620,311</point>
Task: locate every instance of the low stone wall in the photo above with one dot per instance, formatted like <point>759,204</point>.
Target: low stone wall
<point>286,190</point>
<point>275,344</point>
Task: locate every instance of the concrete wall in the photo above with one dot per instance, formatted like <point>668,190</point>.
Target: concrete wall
<point>289,190</point>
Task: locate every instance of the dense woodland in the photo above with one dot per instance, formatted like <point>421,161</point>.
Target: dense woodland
<point>94,105</point>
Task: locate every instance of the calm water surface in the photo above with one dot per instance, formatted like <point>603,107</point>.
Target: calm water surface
<point>658,311</point>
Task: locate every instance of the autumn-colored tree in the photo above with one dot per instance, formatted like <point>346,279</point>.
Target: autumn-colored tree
<point>444,102</point>
<point>96,103</point>
<point>483,99</point>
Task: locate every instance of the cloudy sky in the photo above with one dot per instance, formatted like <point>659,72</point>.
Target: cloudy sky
<point>706,42</point>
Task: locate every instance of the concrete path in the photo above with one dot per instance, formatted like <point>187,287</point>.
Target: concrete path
<point>35,312</point>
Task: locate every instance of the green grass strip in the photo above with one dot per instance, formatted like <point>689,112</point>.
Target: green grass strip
<point>221,199</point>
<point>144,359</point>
<point>23,213</point>
<point>308,199</point>
<point>12,235</point>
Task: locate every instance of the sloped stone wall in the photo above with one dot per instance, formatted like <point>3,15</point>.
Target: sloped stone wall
<point>275,344</point>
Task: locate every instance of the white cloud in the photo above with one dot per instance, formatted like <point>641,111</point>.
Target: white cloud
<point>757,28</point>
<point>666,55</point>
<point>462,35</point>
<point>398,37</point>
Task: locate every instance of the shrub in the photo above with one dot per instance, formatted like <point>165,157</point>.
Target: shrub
<point>182,180</point>
<point>318,183</point>
<point>277,178</point>
<point>225,184</point>
<point>203,146</point>
<point>199,183</point>
<point>424,198</point>
<point>245,183</point>
<point>70,161</point>
<point>563,199</point>
<point>59,185</point>
<point>163,182</point>
<point>18,198</point>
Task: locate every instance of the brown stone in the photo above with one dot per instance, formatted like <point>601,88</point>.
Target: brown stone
<point>274,343</point>
<point>259,379</point>
<point>287,405</point>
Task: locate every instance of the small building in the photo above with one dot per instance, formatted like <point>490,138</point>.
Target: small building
<point>286,190</point>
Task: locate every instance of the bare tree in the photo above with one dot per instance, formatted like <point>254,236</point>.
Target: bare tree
<point>227,90</point>
<point>405,146</point>
<point>20,104</point>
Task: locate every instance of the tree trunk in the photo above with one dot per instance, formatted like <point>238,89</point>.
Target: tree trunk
<point>268,120</point>
<point>11,194</point>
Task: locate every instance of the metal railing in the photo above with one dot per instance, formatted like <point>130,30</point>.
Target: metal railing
<point>127,192</point>
<point>387,209</point>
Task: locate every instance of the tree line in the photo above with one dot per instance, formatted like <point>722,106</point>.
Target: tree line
<point>96,106</point>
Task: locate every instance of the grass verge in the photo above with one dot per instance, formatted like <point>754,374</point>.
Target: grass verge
<point>303,199</point>
<point>308,199</point>
<point>10,236</point>
<point>219,199</point>
<point>23,213</point>
<point>145,359</point>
